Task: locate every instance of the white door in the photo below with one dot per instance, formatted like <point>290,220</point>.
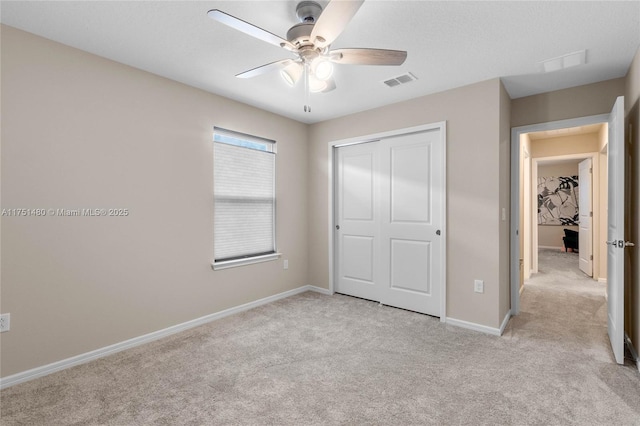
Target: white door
<point>411,221</point>
<point>527,217</point>
<point>615,233</point>
<point>585,245</point>
<point>389,221</point>
<point>357,220</point>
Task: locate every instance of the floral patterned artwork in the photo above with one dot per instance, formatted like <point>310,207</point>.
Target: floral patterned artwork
<point>558,200</point>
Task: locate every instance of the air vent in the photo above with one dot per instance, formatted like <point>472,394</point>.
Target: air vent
<point>402,79</point>
<point>565,61</point>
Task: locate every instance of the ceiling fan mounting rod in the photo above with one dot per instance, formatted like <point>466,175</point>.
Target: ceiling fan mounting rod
<point>308,11</point>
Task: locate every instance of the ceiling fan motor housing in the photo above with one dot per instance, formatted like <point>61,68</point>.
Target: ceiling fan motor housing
<point>308,11</point>
<point>300,34</point>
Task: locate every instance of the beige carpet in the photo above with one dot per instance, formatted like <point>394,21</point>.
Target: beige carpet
<point>314,359</point>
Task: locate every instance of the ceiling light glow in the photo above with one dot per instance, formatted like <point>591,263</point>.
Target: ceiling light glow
<point>322,69</point>
<point>316,86</point>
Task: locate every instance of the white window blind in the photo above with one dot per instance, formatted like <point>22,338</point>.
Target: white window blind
<point>244,196</point>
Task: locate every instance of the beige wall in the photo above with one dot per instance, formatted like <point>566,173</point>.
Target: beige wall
<point>559,168</point>
<point>80,131</point>
<point>551,235</point>
<point>581,101</point>
<point>565,145</point>
<point>505,201</point>
<point>473,180</point>
<point>632,109</point>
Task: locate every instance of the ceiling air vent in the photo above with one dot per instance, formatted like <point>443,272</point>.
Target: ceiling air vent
<point>402,79</point>
<point>565,61</point>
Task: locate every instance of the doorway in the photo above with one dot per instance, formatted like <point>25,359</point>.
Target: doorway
<point>568,211</point>
<point>545,134</point>
<point>615,240</point>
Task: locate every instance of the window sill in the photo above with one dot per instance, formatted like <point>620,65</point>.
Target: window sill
<point>242,262</point>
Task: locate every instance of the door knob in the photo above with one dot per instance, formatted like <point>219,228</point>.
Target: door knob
<point>338,227</point>
<point>620,243</point>
<point>438,232</point>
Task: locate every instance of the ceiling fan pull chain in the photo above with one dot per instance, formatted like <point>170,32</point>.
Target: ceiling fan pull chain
<point>307,107</point>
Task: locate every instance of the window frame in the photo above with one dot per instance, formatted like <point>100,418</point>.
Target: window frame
<point>242,140</point>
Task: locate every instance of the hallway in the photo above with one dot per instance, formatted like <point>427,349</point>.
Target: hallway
<point>559,271</point>
<point>566,309</point>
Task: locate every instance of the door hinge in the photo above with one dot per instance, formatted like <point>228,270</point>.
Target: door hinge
<point>590,214</point>
<point>590,169</point>
<point>591,257</point>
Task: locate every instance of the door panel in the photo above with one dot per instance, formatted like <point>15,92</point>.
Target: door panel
<point>411,215</point>
<point>585,231</point>
<point>410,186</point>
<point>357,249</point>
<point>410,266</point>
<point>615,231</point>
<point>358,185</point>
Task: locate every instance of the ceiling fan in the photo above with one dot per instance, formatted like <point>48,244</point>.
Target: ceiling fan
<point>310,40</point>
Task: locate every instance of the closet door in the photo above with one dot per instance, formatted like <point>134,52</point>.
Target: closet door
<point>389,221</point>
<point>357,220</point>
<point>411,222</point>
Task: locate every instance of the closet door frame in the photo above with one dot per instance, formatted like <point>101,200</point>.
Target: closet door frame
<point>331,173</point>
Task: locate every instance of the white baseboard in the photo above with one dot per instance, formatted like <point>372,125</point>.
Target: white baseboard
<point>551,248</point>
<point>473,326</point>
<point>320,290</point>
<point>141,340</point>
<point>602,280</point>
<point>505,321</point>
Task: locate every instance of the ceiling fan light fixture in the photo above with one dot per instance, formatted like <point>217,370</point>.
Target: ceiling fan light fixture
<point>322,69</point>
<point>291,74</point>
<point>316,86</point>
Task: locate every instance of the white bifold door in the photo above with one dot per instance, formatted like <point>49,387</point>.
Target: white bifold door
<point>389,221</point>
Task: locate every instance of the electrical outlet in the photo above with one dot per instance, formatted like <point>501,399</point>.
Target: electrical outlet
<point>478,286</point>
<point>286,264</point>
<point>5,322</point>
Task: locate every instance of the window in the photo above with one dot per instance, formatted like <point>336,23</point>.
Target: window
<point>244,199</point>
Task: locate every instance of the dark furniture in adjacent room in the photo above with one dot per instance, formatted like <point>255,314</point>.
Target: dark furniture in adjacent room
<point>570,240</point>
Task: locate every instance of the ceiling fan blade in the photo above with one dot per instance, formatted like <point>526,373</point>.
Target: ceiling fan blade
<point>250,29</point>
<point>333,20</point>
<point>263,69</point>
<point>368,56</point>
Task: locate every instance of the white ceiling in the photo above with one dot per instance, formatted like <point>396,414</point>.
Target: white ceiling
<point>449,44</point>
